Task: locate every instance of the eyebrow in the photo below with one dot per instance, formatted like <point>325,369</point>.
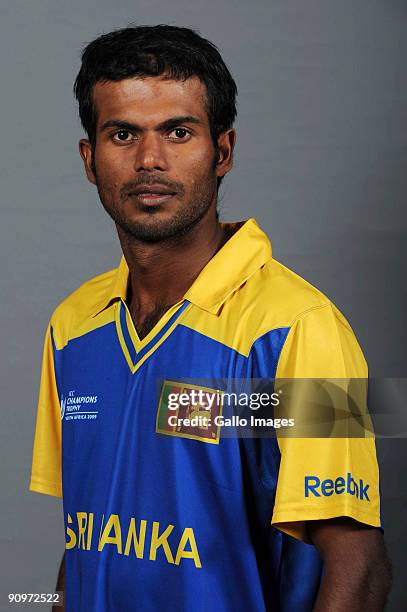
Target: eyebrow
<point>163,126</point>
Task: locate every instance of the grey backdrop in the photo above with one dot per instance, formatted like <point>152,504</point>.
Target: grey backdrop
<point>320,162</point>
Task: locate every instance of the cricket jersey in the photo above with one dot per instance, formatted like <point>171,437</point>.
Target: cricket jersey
<point>161,517</point>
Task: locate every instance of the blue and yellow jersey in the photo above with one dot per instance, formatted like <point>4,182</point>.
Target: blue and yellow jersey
<point>194,522</point>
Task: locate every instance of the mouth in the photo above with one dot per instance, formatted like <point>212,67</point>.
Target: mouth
<point>149,199</point>
<point>152,195</point>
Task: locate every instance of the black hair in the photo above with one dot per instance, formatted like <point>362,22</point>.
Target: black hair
<point>162,50</point>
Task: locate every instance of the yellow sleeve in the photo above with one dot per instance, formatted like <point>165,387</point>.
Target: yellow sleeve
<point>46,474</point>
<point>322,478</point>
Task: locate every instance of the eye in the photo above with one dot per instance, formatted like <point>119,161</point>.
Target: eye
<point>180,133</point>
<point>122,135</point>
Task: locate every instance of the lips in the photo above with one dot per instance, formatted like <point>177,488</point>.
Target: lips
<point>153,199</point>
<point>152,195</point>
<point>152,191</point>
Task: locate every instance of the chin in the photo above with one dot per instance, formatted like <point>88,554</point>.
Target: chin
<point>153,229</point>
<point>159,223</point>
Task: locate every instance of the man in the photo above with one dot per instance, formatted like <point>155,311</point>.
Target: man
<point>159,516</point>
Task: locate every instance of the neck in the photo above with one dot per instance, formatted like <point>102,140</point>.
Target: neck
<point>162,272</point>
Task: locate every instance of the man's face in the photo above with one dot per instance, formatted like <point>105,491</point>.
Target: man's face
<point>154,163</point>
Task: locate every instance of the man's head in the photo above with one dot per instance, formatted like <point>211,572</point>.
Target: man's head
<point>158,105</point>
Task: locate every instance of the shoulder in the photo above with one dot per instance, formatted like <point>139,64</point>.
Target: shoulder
<point>272,301</point>
<point>75,313</point>
<point>289,294</point>
<point>279,297</point>
<point>314,337</point>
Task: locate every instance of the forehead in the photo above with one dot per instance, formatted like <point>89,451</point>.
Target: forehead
<point>149,98</point>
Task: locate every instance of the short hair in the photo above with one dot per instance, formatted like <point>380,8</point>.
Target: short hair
<point>162,50</point>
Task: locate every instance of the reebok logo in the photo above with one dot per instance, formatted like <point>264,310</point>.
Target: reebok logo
<point>317,487</point>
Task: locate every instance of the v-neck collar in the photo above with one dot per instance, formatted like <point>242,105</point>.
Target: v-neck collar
<point>136,351</point>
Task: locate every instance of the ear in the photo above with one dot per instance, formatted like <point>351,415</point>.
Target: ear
<point>85,149</point>
<point>226,145</point>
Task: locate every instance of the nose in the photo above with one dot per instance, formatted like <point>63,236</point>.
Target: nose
<point>150,153</point>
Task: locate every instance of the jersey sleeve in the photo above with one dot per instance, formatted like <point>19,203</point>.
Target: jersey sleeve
<point>324,477</point>
<point>46,461</point>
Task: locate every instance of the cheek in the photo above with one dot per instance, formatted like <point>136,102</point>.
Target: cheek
<point>111,169</point>
<point>195,165</point>
<point>201,157</point>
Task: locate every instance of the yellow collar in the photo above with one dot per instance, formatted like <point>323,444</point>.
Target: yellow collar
<point>241,256</point>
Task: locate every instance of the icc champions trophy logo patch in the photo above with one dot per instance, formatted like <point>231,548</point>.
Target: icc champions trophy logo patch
<point>189,411</point>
